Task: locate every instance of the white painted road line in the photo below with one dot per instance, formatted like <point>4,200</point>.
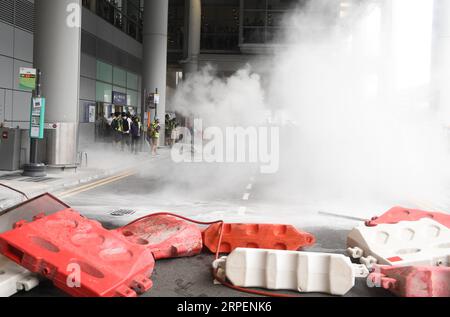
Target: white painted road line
<point>249,186</point>
<point>242,211</point>
<point>246,196</point>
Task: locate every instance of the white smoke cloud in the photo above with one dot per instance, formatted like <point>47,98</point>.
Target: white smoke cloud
<point>234,101</point>
<point>358,138</point>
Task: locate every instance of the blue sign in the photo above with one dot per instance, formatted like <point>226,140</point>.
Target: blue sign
<point>119,98</point>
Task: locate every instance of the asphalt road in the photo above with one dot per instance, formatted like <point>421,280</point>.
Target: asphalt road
<point>235,193</point>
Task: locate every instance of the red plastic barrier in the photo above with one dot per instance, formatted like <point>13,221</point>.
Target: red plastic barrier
<point>166,236</point>
<point>413,281</point>
<point>258,236</point>
<point>67,247</point>
<point>398,214</point>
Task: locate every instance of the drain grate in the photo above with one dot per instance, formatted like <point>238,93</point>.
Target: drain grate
<point>122,212</point>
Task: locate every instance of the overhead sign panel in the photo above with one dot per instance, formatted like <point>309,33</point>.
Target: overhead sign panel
<point>119,98</point>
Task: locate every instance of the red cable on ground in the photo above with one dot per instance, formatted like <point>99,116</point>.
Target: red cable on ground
<point>16,190</point>
<point>214,271</point>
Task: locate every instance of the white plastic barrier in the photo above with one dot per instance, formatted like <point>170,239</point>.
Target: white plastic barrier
<point>14,278</point>
<point>425,242</point>
<point>291,270</point>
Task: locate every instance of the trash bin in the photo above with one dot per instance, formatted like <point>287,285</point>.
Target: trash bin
<point>9,149</point>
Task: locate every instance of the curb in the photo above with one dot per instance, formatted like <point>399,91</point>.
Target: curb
<point>84,180</point>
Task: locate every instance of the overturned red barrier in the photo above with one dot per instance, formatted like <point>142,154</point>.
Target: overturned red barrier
<point>80,256</point>
<point>166,236</point>
<point>43,204</point>
<point>397,214</point>
<point>257,236</point>
<point>411,281</point>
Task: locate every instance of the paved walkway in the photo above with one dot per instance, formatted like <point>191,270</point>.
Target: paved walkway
<point>101,164</point>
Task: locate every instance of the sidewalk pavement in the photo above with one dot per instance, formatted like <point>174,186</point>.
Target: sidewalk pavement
<point>101,164</point>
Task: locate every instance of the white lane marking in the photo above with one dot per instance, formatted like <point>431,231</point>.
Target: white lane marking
<point>246,196</point>
<point>252,179</point>
<point>242,211</point>
<point>249,186</point>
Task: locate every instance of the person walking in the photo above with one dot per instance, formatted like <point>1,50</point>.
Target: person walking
<point>155,130</point>
<point>116,127</point>
<point>168,131</point>
<point>141,133</point>
<point>171,126</point>
<point>109,131</point>
<point>175,135</point>
<point>126,127</point>
<point>135,132</point>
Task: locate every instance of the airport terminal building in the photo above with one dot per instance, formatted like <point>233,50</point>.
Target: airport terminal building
<point>125,49</point>
<point>106,58</point>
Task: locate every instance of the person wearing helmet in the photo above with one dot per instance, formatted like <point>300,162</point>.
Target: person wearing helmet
<point>154,134</point>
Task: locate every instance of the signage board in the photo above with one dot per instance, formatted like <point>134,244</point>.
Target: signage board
<point>92,114</point>
<point>90,111</point>
<point>119,98</point>
<point>153,100</point>
<point>27,78</point>
<point>156,99</point>
<point>37,118</point>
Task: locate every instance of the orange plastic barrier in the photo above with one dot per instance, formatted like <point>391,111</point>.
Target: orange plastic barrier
<point>166,236</point>
<point>66,247</point>
<point>257,236</point>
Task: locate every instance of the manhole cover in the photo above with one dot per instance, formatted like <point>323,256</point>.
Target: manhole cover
<point>122,212</point>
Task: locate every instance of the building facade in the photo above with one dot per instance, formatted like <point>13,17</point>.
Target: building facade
<point>114,53</point>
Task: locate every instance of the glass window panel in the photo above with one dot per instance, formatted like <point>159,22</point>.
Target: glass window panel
<point>220,25</point>
<point>275,18</point>
<point>119,89</point>
<point>280,4</point>
<point>120,77</point>
<point>104,72</point>
<point>254,4</point>
<point>254,35</point>
<point>220,2</point>
<point>132,98</point>
<point>103,92</point>
<point>254,18</point>
<point>275,35</point>
<point>132,81</point>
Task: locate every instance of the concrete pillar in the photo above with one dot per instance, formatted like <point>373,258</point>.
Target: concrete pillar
<point>57,46</point>
<point>194,35</point>
<point>440,72</point>
<point>156,14</point>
